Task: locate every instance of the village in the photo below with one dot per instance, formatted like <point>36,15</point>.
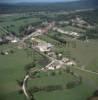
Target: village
<point>57,60</point>
<point>11,38</point>
<point>43,46</point>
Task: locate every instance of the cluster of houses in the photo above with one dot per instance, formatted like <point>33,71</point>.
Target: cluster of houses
<point>8,39</point>
<point>79,22</point>
<point>42,46</point>
<point>47,48</point>
<point>69,33</point>
<point>68,62</point>
<point>6,52</point>
<point>57,64</point>
<point>54,65</point>
<point>46,29</point>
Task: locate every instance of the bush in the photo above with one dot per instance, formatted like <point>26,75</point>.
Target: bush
<point>70,85</point>
<point>29,66</point>
<point>95,93</point>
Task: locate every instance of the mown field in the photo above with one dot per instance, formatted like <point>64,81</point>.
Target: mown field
<point>12,68</point>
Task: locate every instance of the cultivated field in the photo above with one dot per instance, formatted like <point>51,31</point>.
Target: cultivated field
<point>16,22</point>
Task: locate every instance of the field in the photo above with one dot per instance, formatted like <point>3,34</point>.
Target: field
<point>12,69</point>
<point>72,28</point>
<point>15,22</point>
<point>80,92</point>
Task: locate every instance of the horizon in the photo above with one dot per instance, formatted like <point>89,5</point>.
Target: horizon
<point>37,1</point>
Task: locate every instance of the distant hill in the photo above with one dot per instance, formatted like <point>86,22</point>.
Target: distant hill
<point>92,3</point>
<point>66,6</point>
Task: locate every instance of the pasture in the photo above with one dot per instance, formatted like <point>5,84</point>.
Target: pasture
<point>12,68</point>
<point>80,92</point>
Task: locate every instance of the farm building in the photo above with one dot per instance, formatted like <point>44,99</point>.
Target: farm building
<point>42,46</point>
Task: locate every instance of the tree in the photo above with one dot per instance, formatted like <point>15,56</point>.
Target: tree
<point>68,69</point>
<point>29,66</point>
<point>20,91</point>
<point>95,93</point>
<point>70,85</point>
<point>94,96</point>
<point>20,82</point>
<point>11,51</point>
<point>92,33</point>
<point>53,73</point>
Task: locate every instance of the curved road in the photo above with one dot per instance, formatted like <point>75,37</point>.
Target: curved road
<point>24,86</point>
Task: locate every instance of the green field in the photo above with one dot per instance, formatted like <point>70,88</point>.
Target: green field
<point>80,92</point>
<point>72,28</point>
<point>13,23</point>
<point>12,69</point>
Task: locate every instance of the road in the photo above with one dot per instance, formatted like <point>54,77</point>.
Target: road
<point>34,34</point>
<point>85,70</point>
<point>25,85</point>
<point>53,60</point>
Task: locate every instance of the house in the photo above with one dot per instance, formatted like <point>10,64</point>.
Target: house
<point>68,62</point>
<point>14,40</point>
<point>4,53</point>
<point>42,46</point>
<point>55,65</point>
<point>1,40</point>
<point>71,63</point>
<point>51,54</point>
<point>8,38</point>
<point>69,33</point>
<point>11,39</point>
<point>39,30</point>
